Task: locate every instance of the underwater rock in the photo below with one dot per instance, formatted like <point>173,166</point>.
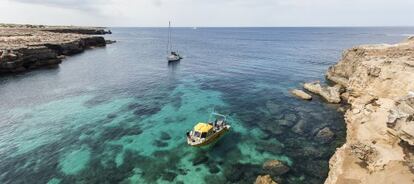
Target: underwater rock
<point>286,123</point>
<point>200,160</point>
<point>316,168</point>
<point>96,100</point>
<point>111,115</point>
<point>213,168</point>
<point>325,135</point>
<point>272,127</point>
<point>273,108</point>
<point>265,179</point>
<point>299,128</point>
<point>275,167</point>
<point>143,110</point>
<point>239,172</point>
<point>169,176</point>
<point>288,120</point>
<point>114,133</point>
<point>301,94</point>
<point>160,144</point>
<point>165,136</point>
<point>290,117</point>
<point>310,151</point>
<point>270,147</point>
<point>182,171</point>
<point>132,106</point>
<point>268,126</point>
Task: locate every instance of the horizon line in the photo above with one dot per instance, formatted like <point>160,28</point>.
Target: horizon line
<point>294,26</point>
<point>406,26</point>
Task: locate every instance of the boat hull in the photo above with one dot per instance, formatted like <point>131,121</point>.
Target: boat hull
<point>173,58</point>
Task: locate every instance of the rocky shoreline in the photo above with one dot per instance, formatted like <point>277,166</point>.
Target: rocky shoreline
<point>26,47</point>
<point>377,83</point>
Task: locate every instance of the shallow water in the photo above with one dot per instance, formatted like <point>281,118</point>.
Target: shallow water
<point>119,114</point>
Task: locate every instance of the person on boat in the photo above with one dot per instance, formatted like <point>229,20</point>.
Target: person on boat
<point>189,136</point>
<point>174,53</point>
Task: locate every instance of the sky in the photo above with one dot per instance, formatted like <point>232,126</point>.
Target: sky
<point>209,13</point>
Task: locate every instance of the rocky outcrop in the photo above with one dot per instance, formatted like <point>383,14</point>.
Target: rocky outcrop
<point>275,167</point>
<point>59,29</point>
<point>23,48</point>
<point>379,84</point>
<point>265,179</point>
<point>301,94</point>
<point>330,94</point>
<point>401,119</point>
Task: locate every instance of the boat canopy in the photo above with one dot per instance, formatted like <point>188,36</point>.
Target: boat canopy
<point>203,127</point>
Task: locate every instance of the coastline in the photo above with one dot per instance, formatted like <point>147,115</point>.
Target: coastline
<point>26,47</point>
<point>377,82</point>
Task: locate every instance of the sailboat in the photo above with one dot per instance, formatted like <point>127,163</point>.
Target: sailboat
<point>172,55</point>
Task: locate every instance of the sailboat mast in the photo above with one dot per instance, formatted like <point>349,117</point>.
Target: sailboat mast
<point>170,41</point>
<point>169,37</point>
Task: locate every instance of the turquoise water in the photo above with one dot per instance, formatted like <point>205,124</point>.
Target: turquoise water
<point>119,114</point>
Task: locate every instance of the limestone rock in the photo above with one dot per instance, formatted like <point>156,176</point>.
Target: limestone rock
<point>299,128</point>
<point>378,82</point>
<point>265,179</point>
<point>24,47</point>
<point>401,119</point>
<point>330,94</point>
<point>290,117</point>
<point>325,135</point>
<point>301,94</point>
<point>286,123</point>
<point>374,71</point>
<point>275,167</point>
<point>110,42</point>
<point>273,107</point>
<point>364,152</point>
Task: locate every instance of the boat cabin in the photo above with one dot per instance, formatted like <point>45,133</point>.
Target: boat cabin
<point>202,130</point>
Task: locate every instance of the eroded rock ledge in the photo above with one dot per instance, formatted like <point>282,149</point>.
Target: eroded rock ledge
<point>378,82</point>
<point>25,47</point>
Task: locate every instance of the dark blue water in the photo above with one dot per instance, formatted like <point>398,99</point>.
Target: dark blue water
<point>119,114</point>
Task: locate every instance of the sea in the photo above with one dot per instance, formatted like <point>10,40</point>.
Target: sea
<point>119,114</point>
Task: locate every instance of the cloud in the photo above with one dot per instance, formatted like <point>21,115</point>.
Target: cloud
<point>67,4</point>
<point>209,12</point>
<point>157,3</point>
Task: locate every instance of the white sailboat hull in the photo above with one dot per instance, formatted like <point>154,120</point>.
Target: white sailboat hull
<point>173,58</point>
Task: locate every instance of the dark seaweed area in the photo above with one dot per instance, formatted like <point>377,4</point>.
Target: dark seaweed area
<point>119,114</point>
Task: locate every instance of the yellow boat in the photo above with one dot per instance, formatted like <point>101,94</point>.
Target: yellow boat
<point>206,133</point>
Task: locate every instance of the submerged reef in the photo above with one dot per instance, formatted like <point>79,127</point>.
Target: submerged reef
<point>305,132</point>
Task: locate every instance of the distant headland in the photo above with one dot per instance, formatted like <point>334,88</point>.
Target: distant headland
<point>25,47</point>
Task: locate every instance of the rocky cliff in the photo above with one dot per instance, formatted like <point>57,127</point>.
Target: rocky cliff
<point>24,47</point>
<point>378,82</point>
